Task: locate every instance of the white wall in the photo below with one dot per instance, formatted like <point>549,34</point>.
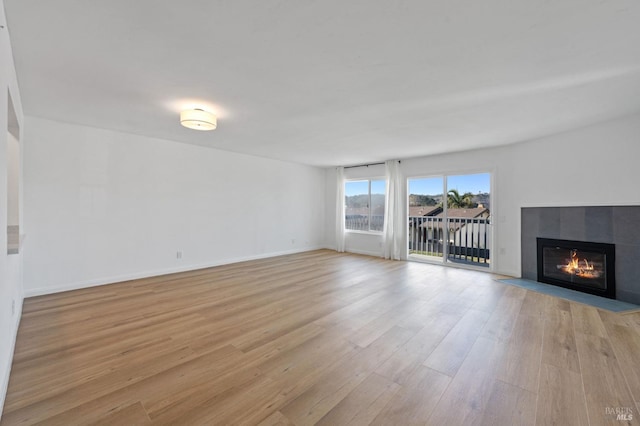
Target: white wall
<point>103,206</point>
<point>10,265</point>
<point>595,165</point>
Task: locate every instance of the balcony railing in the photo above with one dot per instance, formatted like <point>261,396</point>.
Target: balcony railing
<point>357,222</point>
<point>467,239</point>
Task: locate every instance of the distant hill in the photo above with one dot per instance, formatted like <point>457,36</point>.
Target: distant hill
<point>483,198</point>
<point>362,200</point>
<point>416,200</point>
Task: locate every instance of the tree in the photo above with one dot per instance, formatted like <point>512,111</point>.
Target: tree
<point>457,201</point>
<point>421,200</point>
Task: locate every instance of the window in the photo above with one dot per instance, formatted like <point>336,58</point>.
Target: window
<point>364,205</point>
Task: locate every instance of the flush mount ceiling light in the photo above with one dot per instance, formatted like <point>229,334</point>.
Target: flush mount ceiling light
<point>198,119</point>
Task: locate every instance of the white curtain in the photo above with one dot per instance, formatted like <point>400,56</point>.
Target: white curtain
<point>340,209</point>
<point>393,223</point>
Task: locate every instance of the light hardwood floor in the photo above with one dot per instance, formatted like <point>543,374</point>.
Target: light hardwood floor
<point>326,338</point>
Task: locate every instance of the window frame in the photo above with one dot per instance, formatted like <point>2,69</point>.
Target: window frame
<point>368,180</point>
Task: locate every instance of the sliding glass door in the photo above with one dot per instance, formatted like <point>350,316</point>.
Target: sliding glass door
<point>426,221</point>
<point>450,219</point>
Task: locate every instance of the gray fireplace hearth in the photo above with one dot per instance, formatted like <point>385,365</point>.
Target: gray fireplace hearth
<point>619,225</point>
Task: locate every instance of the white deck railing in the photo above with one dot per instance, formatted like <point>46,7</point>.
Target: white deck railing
<point>468,238</point>
<point>361,222</point>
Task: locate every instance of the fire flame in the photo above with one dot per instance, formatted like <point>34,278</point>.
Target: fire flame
<point>574,267</point>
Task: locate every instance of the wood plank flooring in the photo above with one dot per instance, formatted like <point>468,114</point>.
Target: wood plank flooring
<point>322,338</point>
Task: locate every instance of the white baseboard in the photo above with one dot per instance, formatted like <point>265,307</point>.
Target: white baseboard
<point>146,274</point>
<point>4,386</point>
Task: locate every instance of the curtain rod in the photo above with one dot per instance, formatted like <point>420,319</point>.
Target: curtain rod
<point>366,165</point>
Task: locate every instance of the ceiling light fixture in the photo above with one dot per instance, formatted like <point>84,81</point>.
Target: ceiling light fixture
<point>198,119</point>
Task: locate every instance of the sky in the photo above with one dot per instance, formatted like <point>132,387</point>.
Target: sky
<point>362,187</point>
<point>475,183</point>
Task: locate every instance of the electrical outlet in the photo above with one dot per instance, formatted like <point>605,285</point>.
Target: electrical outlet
<point>179,254</point>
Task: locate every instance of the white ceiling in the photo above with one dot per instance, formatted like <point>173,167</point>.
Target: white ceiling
<point>330,82</point>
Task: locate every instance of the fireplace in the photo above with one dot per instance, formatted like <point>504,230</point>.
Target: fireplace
<point>584,266</point>
<point>614,225</point>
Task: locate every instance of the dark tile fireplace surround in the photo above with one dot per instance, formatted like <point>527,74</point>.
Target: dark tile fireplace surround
<point>618,225</point>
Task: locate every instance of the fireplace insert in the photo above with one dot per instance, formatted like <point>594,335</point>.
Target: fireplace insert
<point>584,266</point>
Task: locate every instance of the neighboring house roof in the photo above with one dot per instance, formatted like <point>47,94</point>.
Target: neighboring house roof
<point>466,213</point>
<point>478,212</point>
<point>424,210</point>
